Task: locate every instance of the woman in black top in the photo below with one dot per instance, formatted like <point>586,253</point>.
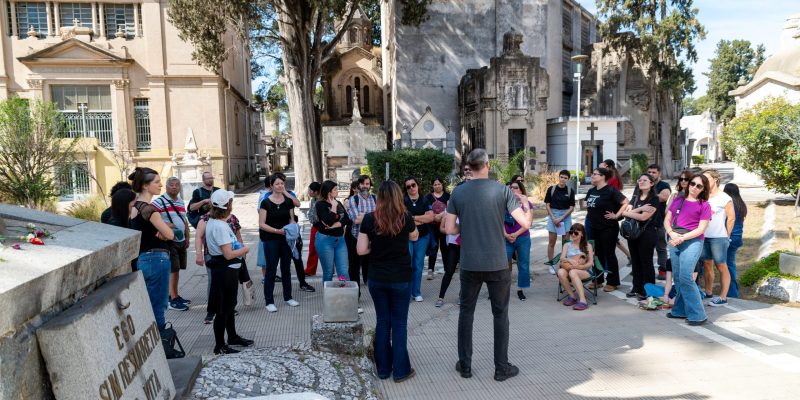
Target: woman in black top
<point>350,240</point>
<point>604,206</point>
<point>122,202</point>
<point>153,258</point>
<point>330,242</point>
<point>420,209</point>
<point>384,235</point>
<point>275,212</point>
<point>560,202</point>
<point>643,209</point>
<point>438,200</point>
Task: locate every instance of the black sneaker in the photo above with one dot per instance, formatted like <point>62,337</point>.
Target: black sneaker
<point>521,295</point>
<point>240,341</point>
<point>182,300</point>
<point>225,350</point>
<point>466,372</point>
<point>307,288</point>
<point>209,318</point>
<point>631,294</point>
<point>696,323</point>
<point>509,372</point>
<point>277,278</point>
<point>673,316</point>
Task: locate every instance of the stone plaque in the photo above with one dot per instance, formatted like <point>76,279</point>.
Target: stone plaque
<point>107,346</point>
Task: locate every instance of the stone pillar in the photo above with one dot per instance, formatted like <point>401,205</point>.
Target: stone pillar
<point>94,19</point>
<point>135,20</point>
<point>119,106</point>
<point>36,87</point>
<point>49,19</point>
<point>57,18</point>
<point>13,7</point>
<point>102,21</point>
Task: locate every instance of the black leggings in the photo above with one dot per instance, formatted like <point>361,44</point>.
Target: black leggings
<point>441,241</point>
<point>224,292</point>
<point>605,246</point>
<point>642,258</point>
<point>453,252</point>
<point>299,267</point>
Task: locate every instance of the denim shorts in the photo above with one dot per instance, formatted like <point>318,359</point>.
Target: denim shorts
<point>716,249</point>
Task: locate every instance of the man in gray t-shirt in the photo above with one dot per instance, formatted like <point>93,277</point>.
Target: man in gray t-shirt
<point>480,205</point>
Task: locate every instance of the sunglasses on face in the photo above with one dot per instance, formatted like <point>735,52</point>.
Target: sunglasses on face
<point>683,179</point>
<point>574,233</point>
<point>411,185</point>
<point>699,186</point>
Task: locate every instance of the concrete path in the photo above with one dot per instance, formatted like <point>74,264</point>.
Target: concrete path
<point>612,350</point>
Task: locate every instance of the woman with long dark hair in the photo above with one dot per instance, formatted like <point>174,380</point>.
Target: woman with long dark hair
<point>685,222</point>
<point>153,258</point>
<point>122,202</point>
<point>717,239</point>
<point>384,235</point>
<point>275,213</point>
<point>740,208</point>
<point>421,211</point>
<point>438,199</point>
<point>577,259</point>
<point>682,187</point>
<point>643,209</point>
<point>604,206</point>
<point>330,241</point>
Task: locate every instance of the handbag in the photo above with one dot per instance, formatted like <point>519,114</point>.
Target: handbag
<point>681,230</point>
<point>248,293</point>
<point>632,229</point>
<point>169,339</point>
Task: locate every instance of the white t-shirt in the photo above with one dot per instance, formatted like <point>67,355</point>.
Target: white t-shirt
<point>716,228</point>
<point>218,233</point>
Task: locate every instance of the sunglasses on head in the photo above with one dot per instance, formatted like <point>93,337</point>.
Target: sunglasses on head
<point>699,186</point>
<point>411,185</point>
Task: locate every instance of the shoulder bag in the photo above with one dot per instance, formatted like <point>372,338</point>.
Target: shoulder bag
<point>681,230</point>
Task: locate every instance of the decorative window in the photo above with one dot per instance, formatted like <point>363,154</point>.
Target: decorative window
<point>31,16</point>
<point>70,12</point>
<point>87,112</point>
<point>141,116</point>
<point>585,30</point>
<point>348,94</point>
<point>120,17</point>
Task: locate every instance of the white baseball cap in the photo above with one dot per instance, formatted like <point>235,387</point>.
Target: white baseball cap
<point>220,198</point>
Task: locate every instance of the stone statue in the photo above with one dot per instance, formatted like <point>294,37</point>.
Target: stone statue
<point>512,42</point>
<point>356,112</point>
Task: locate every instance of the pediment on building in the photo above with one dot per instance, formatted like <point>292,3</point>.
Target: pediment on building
<point>428,127</point>
<point>358,52</point>
<point>74,52</point>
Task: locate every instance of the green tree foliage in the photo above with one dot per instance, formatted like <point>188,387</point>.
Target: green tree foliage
<point>692,106</point>
<point>504,171</point>
<point>423,164</point>
<point>765,140</point>
<point>32,150</point>
<point>733,61</point>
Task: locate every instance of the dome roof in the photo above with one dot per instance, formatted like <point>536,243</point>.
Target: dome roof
<point>786,60</point>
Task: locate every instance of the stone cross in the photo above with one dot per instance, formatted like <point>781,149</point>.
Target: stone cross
<point>76,22</point>
<point>591,128</point>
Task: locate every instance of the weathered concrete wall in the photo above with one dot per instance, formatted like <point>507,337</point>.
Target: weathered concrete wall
<point>38,282</point>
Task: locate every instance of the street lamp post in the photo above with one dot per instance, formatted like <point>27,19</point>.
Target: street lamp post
<point>579,60</point>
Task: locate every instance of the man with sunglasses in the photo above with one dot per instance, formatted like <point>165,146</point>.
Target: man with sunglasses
<point>663,191</point>
<point>480,205</point>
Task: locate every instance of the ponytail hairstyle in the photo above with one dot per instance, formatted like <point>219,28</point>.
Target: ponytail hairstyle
<point>390,210</point>
<point>140,177</point>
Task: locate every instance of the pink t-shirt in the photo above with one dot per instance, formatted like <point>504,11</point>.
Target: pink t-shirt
<point>691,213</point>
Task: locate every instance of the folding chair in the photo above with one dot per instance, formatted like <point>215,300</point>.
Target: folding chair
<point>595,272</point>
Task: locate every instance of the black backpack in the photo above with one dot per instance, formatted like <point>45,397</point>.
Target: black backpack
<point>169,338</point>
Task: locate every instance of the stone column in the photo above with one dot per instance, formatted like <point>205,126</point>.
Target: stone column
<point>94,19</point>
<point>13,7</point>
<point>102,21</point>
<point>57,18</point>
<point>120,107</point>
<point>49,19</point>
<point>135,20</point>
<point>36,87</point>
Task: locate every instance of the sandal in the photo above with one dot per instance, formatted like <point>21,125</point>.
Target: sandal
<point>569,301</point>
<point>580,306</point>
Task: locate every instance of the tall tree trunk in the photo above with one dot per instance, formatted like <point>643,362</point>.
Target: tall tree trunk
<point>299,80</point>
<point>666,122</point>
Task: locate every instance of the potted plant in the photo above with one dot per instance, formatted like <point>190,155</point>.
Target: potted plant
<point>340,301</point>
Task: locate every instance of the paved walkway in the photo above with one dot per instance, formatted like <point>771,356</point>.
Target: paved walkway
<point>613,350</point>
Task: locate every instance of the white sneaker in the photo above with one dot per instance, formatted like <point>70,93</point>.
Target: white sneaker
<point>552,270</point>
<point>272,308</point>
<point>292,303</point>
<point>430,274</point>
<point>418,299</point>
<point>360,310</point>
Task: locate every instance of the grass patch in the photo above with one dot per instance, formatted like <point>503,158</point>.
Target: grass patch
<point>765,268</point>
<point>89,209</point>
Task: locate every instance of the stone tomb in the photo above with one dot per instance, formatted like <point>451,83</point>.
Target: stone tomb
<point>107,346</point>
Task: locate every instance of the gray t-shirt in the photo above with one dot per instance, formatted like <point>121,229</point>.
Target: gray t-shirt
<point>480,206</point>
<point>219,233</point>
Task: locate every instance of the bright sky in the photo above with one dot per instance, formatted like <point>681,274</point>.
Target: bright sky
<point>758,22</point>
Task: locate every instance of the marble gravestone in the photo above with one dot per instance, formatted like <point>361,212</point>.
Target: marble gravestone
<point>107,346</point>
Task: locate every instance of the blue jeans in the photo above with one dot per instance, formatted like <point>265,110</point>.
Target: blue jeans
<point>332,252</point>
<point>523,248</point>
<point>684,258</point>
<point>736,243</point>
<point>155,268</point>
<point>391,327</point>
<point>418,250</point>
